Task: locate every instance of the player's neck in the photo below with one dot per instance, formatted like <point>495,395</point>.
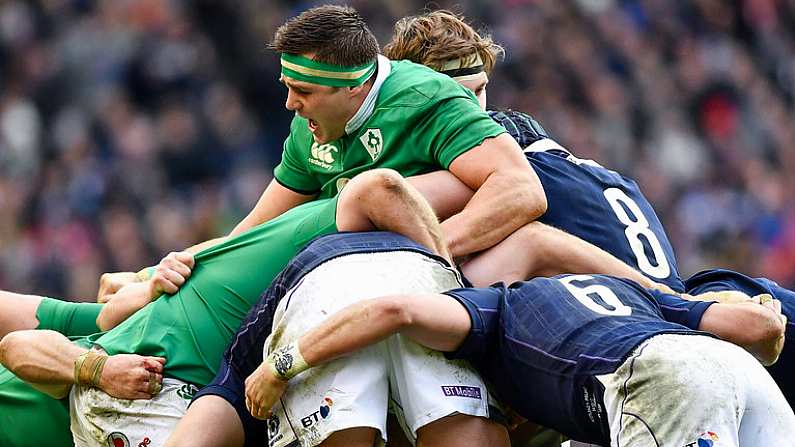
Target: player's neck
<point>362,95</point>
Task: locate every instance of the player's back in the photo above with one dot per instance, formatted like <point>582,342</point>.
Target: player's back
<point>606,209</point>
<point>556,334</point>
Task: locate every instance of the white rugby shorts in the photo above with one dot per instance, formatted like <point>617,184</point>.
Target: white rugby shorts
<point>693,390</point>
<point>354,391</point>
<point>100,420</point>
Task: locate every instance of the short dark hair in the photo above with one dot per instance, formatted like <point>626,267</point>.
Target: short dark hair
<point>335,34</point>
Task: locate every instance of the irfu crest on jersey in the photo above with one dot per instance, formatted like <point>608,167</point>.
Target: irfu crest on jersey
<point>373,142</point>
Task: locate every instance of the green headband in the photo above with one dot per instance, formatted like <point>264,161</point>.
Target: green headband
<point>304,69</point>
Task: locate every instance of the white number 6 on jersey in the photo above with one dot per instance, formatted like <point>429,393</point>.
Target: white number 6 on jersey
<point>605,294</point>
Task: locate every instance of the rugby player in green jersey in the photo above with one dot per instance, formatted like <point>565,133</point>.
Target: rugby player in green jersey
<point>356,110</point>
<point>192,327</point>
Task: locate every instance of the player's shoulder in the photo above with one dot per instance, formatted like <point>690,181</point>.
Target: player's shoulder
<point>415,85</point>
<point>719,279</point>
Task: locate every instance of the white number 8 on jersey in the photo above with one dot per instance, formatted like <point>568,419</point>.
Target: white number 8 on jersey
<point>637,225</point>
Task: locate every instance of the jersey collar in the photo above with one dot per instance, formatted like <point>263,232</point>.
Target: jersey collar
<point>367,107</point>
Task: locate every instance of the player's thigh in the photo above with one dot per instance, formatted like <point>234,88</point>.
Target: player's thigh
<point>426,387</point>
<point>352,437</point>
<point>767,419</point>
<point>462,430</point>
<point>677,390</point>
<point>211,421</point>
<point>328,402</point>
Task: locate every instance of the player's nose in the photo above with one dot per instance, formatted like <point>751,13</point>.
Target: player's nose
<point>292,103</point>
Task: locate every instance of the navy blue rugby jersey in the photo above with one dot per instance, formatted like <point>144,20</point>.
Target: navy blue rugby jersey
<point>244,353</point>
<point>541,342</point>
<point>604,208</point>
<point>720,279</point>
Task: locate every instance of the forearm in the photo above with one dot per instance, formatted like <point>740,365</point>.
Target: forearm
<point>537,249</point>
<point>564,253</point>
<point>749,325</point>
<point>274,201</point>
<point>17,312</point>
<point>446,194</point>
<point>505,202</point>
<point>435,321</point>
<point>355,327</point>
<point>206,244</point>
<point>40,356</point>
<point>122,304</point>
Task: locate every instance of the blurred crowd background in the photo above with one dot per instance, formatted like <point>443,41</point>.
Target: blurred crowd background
<point>130,128</point>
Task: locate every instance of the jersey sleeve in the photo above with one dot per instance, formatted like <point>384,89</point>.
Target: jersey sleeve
<point>292,171</point>
<point>458,125</point>
<point>483,306</point>
<point>678,310</point>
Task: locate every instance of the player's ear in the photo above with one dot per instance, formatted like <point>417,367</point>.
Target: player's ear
<point>355,90</point>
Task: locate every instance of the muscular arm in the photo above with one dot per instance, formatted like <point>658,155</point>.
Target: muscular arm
<point>436,321</point>
<point>17,312</point>
<point>444,192</point>
<point>46,359</point>
<point>759,328</point>
<point>540,250</point>
<point>169,275</point>
<point>275,201</point>
<point>508,195</point>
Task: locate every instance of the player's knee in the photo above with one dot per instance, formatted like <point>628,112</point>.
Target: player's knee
<point>379,181</point>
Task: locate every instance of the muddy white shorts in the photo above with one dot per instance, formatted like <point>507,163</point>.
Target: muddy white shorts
<point>100,420</point>
<point>693,391</point>
<point>354,391</point>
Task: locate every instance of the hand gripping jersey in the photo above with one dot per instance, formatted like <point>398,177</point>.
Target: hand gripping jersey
<point>720,279</point>
<point>420,121</point>
<point>542,342</point>
<point>192,327</point>
<point>595,204</point>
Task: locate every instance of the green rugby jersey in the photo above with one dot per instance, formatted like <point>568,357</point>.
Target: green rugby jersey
<point>420,122</point>
<point>30,418</point>
<point>192,328</point>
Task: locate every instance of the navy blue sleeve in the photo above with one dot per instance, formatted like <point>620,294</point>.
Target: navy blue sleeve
<point>483,306</point>
<point>677,310</point>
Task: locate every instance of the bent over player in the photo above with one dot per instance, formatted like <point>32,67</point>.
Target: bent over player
<point>597,358</point>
